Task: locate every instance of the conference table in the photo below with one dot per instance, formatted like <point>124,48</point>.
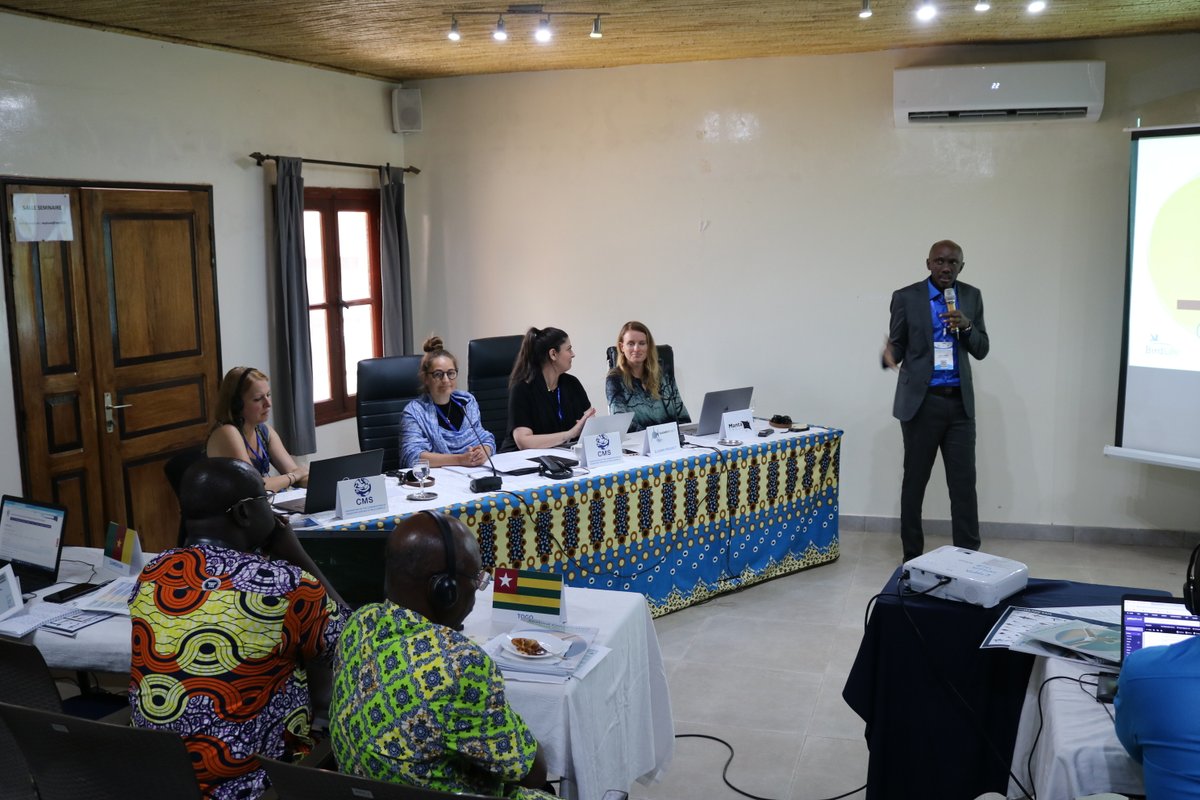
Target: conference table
<point>604,731</point>
<point>941,714</point>
<point>679,528</point>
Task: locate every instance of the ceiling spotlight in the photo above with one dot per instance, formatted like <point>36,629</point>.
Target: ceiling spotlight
<point>1037,6</point>
<point>453,35</point>
<point>500,34</point>
<point>866,10</point>
<point>983,5</point>
<point>543,30</point>
<point>596,34</point>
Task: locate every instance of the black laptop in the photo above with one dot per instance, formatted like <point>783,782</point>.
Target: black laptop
<point>323,477</point>
<point>31,535</point>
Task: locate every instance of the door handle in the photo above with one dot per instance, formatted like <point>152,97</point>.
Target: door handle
<point>109,408</point>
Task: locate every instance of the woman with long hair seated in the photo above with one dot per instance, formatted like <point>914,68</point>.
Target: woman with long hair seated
<point>443,425</point>
<point>242,432</point>
<point>546,406</point>
<point>638,383</point>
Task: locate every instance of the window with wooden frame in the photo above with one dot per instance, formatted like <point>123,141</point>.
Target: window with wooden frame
<point>341,245</point>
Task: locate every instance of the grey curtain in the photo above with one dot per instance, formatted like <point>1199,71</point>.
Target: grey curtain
<point>396,284</point>
<point>292,379</point>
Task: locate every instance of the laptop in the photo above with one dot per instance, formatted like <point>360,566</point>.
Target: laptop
<point>323,477</point>
<point>31,535</point>
<point>617,424</point>
<point>716,404</point>
<point>1151,621</point>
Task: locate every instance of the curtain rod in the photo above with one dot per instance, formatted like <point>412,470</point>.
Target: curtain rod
<point>259,158</point>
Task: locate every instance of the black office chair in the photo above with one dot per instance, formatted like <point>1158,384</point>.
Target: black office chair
<point>26,680</point>
<point>292,782</point>
<point>75,759</point>
<point>489,365</point>
<point>174,468</point>
<point>385,387</point>
<point>666,358</point>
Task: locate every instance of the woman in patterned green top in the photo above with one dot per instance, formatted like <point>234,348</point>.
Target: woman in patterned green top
<point>415,701</point>
<point>639,384</point>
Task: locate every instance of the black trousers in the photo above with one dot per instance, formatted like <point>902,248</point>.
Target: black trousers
<point>940,424</point>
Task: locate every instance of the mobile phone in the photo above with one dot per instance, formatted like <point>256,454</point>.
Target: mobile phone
<point>766,432</point>
<point>1106,688</point>
<point>71,592</point>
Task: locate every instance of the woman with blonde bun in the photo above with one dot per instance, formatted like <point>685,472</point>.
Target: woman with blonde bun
<point>442,426</point>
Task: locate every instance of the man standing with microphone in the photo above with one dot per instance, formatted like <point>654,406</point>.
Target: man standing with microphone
<point>936,328</point>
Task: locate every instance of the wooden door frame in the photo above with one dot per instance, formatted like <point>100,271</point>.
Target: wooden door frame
<point>8,266</point>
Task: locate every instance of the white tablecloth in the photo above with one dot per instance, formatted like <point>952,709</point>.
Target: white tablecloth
<point>602,732</point>
<point>1078,752</point>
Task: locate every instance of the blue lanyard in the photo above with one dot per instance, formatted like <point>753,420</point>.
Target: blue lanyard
<point>558,399</point>
<point>445,418</point>
<point>261,459</point>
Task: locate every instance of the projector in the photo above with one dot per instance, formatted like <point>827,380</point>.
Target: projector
<point>974,577</point>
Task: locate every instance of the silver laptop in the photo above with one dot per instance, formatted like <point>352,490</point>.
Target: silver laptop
<point>323,477</point>
<point>31,535</point>
<point>716,404</point>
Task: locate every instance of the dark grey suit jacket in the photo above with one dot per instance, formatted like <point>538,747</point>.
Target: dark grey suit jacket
<point>911,340</point>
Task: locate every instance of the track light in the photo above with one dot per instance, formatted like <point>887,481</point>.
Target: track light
<point>543,31</point>
<point>983,5</point>
<point>866,10</point>
<point>1037,6</point>
<point>927,11</point>
<point>500,34</point>
<point>596,34</point>
<point>453,35</point>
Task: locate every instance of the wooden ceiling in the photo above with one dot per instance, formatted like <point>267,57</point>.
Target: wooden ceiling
<point>406,39</point>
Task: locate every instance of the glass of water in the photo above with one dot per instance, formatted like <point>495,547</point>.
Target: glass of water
<point>420,469</point>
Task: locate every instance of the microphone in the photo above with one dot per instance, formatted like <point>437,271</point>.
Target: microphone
<point>951,297</point>
<point>488,483</point>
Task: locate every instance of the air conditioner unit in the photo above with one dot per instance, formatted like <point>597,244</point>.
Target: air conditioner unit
<point>1034,92</point>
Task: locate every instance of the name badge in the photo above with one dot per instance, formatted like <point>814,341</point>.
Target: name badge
<point>943,355</point>
<point>737,425</point>
<point>603,448</point>
<point>661,439</point>
<point>362,497</point>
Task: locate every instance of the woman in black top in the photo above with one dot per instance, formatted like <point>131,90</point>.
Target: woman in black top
<point>546,406</point>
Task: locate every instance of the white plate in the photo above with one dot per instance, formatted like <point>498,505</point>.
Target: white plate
<point>554,646</point>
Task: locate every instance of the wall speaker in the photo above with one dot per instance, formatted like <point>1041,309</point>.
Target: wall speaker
<point>406,110</point>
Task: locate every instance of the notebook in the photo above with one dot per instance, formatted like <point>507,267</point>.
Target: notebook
<point>716,404</point>
<point>1151,621</point>
<point>31,540</point>
<point>323,477</point>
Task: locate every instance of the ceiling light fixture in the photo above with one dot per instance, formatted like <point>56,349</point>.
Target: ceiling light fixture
<point>927,11</point>
<point>866,10</point>
<point>543,33</point>
<point>1037,6</point>
<point>983,5</point>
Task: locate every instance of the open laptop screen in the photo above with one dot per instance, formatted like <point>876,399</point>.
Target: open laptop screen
<point>1149,621</point>
<point>31,540</point>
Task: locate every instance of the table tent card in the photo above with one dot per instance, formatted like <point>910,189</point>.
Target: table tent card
<point>528,596</point>
<point>737,425</point>
<point>661,439</point>
<point>603,448</point>
<point>362,497</point>
<point>122,552</point>
<point>11,601</point>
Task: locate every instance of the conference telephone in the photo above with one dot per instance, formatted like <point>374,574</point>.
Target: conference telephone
<point>554,467</point>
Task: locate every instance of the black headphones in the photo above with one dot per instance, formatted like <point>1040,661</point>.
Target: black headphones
<point>236,403</point>
<point>443,586</point>
<point>1191,597</point>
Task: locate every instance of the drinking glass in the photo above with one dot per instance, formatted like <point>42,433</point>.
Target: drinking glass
<point>420,468</point>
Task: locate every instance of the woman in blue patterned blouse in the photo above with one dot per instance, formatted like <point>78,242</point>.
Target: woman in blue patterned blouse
<point>443,425</point>
<point>639,384</point>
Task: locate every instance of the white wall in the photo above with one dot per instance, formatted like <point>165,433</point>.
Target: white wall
<point>85,105</point>
<point>757,214</point>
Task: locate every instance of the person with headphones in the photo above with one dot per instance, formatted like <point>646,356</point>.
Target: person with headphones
<point>241,430</point>
<point>1157,697</point>
<point>228,630</point>
<point>415,701</point>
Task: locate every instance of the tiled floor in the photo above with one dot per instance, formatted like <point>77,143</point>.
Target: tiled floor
<point>764,669</point>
